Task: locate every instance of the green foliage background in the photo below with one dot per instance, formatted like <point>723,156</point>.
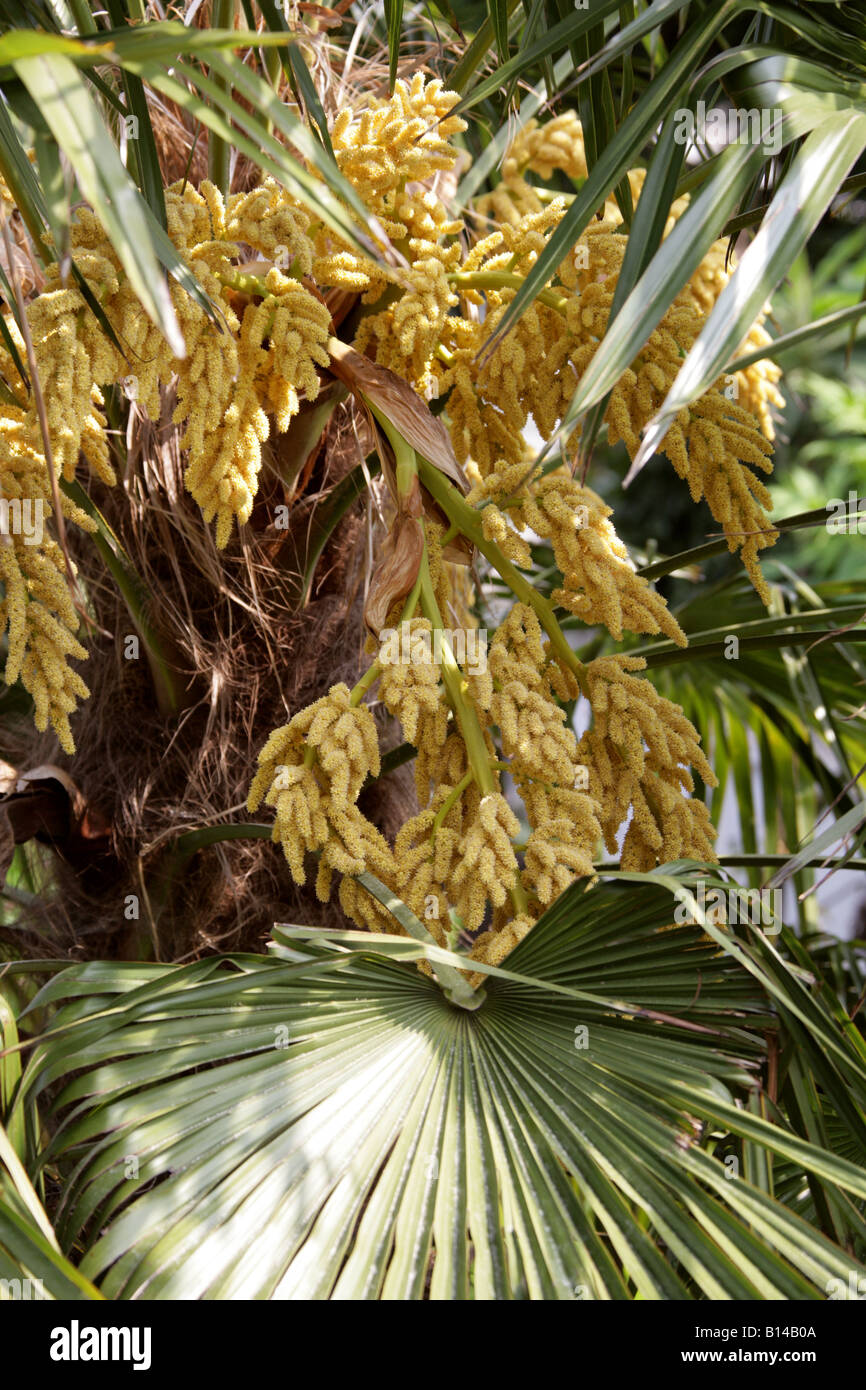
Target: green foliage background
<point>322,1121</point>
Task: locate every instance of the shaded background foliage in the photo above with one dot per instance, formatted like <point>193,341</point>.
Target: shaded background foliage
<point>394,1145</point>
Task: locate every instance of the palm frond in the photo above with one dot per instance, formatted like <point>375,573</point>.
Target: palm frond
<point>325,1124</point>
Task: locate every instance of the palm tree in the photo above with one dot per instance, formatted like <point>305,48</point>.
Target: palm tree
<point>582,1083</point>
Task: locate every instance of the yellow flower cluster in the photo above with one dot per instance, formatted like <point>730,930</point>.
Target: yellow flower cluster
<point>544,759</point>
<point>529,374</point>
<point>639,751</point>
<point>494,945</point>
<point>487,863</point>
<point>544,148</point>
<point>599,580</point>
<point>432,851</point>
<point>296,326</point>
<point>554,858</point>
<point>410,685</point>
<point>496,527</point>
<point>405,335</point>
<point>37,610</point>
<point>716,446</point>
<point>755,387</point>
<point>391,153</point>
<point>226,393</point>
<point>66,373</point>
<point>395,153</point>
<point>293,790</point>
<point>269,357</point>
<point>401,141</point>
<point>266,266</point>
<point>265,221</point>
<point>224,437</point>
<point>42,624</point>
<point>456,862</point>
<point>259,361</point>
<point>311,771</point>
<point>424,855</point>
<point>532,725</point>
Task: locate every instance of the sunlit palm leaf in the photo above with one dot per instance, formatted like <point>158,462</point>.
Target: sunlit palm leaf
<point>800,202</point>
<point>76,124</point>
<point>325,1124</point>
<point>622,154</point>
<point>28,1245</point>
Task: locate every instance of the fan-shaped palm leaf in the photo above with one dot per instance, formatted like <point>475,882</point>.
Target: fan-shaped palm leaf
<point>326,1124</point>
